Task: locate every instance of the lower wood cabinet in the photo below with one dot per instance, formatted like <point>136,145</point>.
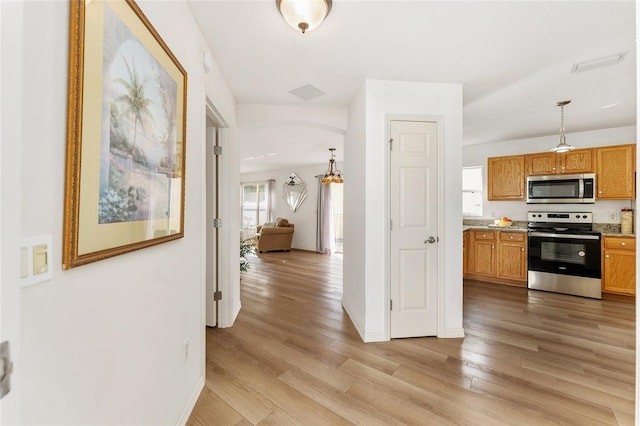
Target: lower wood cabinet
<point>512,255</point>
<point>483,253</point>
<point>497,256</point>
<point>465,250</point>
<point>619,265</point>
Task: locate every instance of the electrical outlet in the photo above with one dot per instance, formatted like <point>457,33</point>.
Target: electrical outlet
<point>613,216</point>
<point>187,344</point>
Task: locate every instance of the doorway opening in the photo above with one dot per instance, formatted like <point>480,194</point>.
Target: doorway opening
<point>329,218</point>
<point>338,216</point>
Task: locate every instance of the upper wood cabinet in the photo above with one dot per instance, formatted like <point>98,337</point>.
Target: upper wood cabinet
<point>542,163</point>
<point>615,167</point>
<point>550,163</point>
<point>576,161</point>
<point>506,177</point>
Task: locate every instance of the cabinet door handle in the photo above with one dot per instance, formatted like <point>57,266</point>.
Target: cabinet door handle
<point>599,192</point>
<point>623,244</point>
<point>522,249</point>
<point>607,256</point>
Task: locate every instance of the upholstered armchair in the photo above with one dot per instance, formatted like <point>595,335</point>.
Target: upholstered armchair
<point>274,237</point>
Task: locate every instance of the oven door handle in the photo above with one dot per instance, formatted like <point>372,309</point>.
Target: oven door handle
<point>566,236</point>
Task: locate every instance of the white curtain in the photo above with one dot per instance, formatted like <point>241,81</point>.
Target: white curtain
<point>325,237</point>
<point>270,195</point>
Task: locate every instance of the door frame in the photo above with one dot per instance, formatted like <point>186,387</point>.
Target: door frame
<point>212,234</point>
<point>440,121</point>
<point>213,114</point>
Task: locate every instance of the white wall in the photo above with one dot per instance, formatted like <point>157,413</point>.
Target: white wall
<point>297,135</point>
<point>305,218</point>
<point>384,100</point>
<point>354,244</point>
<point>11,14</point>
<point>104,343</point>
<point>476,155</point>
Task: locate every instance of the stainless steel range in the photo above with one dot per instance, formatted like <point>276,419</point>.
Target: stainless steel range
<point>564,253</point>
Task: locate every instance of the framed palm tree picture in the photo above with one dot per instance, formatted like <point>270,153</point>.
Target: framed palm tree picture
<point>126,128</point>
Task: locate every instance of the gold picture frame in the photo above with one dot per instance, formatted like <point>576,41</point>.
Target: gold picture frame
<point>126,134</point>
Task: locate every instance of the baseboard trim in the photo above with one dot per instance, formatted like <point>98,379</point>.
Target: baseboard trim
<point>452,333</point>
<point>366,337</point>
<point>375,337</point>
<point>356,324</point>
<point>191,403</point>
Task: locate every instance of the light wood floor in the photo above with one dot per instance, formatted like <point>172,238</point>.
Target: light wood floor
<point>528,358</point>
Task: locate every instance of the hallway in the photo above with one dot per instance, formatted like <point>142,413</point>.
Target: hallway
<point>528,357</point>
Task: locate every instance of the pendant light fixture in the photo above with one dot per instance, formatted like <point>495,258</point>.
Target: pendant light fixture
<point>332,175</point>
<point>562,146</point>
<point>304,15</point>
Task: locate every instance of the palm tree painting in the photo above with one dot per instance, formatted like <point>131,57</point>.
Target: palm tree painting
<point>138,133</point>
<point>134,100</point>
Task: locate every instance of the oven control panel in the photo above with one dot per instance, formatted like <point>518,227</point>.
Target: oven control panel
<point>560,217</point>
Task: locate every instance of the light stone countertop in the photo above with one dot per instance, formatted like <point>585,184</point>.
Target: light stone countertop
<point>495,228</point>
<point>607,229</point>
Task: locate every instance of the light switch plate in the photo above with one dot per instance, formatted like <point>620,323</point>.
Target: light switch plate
<point>35,254</point>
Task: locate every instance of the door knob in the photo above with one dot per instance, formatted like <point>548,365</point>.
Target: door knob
<point>430,240</point>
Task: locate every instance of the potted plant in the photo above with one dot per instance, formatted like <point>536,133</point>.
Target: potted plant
<point>246,248</point>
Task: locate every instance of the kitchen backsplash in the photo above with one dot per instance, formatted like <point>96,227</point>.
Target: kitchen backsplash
<point>606,211</point>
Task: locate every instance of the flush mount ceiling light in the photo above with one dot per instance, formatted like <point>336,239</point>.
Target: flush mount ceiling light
<point>562,146</point>
<point>304,15</point>
<point>332,175</point>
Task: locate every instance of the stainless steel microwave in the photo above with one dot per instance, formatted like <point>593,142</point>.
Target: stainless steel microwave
<point>562,189</point>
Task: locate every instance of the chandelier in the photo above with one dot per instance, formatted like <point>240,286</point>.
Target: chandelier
<point>562,146</point>
<point>304,15</point>
<point>332,175</point>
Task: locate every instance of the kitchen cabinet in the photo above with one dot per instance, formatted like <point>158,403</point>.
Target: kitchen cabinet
<point>512,255</point>
<point>550,163</point>
<point>506,176</point>
<point>614,167</point>
<point>576,161</point>
<point>619,265</point>
<point>465,256</point>
<point>542,163</point>
<point>497,256</point>
<point>483,252</point>
<point>615,172</point>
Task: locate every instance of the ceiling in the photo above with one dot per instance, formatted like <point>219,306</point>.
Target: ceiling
<point>513,58</point>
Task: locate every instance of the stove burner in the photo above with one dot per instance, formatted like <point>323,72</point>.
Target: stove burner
<point>561,222</point>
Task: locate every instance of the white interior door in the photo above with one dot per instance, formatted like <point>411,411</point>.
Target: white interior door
<point>211,230</point>
<point>414,228</point>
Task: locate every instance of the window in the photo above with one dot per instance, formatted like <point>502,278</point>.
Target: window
<point>256,203</point>
<point>472,191</point>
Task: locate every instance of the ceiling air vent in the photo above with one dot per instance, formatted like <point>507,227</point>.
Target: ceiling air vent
<point>307,92</point>
<point>598,63</point>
